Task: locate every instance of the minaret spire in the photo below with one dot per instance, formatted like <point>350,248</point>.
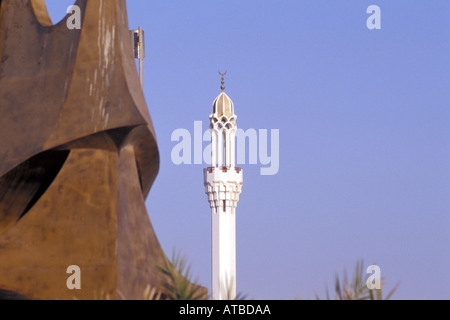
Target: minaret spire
<point>223,80</point>
<point>223,182</point>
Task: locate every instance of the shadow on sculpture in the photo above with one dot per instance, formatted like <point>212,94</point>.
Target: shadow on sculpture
<point>10,295</point>
<point>78,155</point>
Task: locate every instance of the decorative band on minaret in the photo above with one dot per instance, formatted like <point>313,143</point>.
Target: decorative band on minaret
<point>223,183</point>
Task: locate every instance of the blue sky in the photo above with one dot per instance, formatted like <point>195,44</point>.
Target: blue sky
<point>364,132</point>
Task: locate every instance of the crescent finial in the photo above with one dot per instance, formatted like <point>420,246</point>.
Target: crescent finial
<point>223,80</point>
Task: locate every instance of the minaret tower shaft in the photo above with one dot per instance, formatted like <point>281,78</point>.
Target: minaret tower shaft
<point>223,183</point>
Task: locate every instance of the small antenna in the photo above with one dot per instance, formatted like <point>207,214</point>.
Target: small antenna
<point>138,39</point>
<point>223,80</point>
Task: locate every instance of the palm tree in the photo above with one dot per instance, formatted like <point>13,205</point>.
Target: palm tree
<point>356,289</point>
<point>178,284</point>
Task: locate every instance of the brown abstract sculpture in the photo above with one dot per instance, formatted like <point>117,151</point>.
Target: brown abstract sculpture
<point>78,155</point>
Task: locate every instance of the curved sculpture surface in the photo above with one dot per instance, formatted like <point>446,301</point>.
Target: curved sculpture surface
<point>78,155</point>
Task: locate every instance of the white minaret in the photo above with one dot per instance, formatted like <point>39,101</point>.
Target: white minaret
<point>223,183</point>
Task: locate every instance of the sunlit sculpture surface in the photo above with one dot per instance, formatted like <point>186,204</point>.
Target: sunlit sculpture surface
<point>78,155</point>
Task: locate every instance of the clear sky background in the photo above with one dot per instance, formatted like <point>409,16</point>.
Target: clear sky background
<point>364,120</point>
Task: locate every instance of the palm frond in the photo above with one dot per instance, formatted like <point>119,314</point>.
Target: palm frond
<point>178,284</point>
<point>356,289</point>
